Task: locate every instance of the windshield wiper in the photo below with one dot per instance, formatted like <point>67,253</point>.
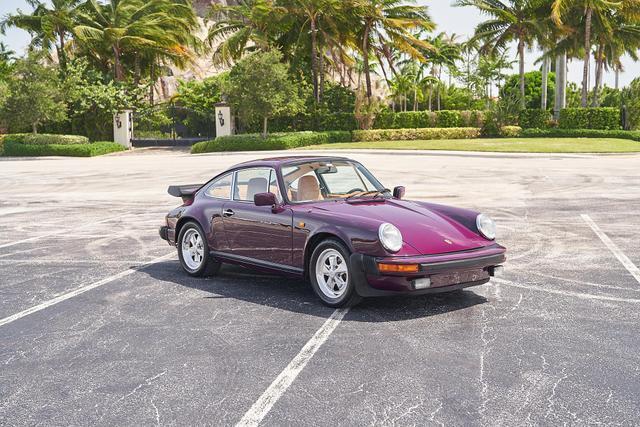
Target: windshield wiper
<point>372,193</point>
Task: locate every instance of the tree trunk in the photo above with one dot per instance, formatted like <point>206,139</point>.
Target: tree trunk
<point>545,82</point>
<point>561,85</point>
<point>415,98</point>
<point>617,72</point>
<point>62,56</point>
<point>321,78</point>
<point>587,56</point>
<point>314,66</point>
<point>264,127</point>
<point>431,97</point>
<point>365,59</point>
<point>117,66</point>
<point>152,77</point>
<point>34,127</point>
<point>599,72</point>
<point>521,72</point>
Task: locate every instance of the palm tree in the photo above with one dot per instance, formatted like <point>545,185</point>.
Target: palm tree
<point>588,9</point>
<point>385,23</point>
<point>444,52</point>
<point>246,26</point>
<point>510,20</point>
<point>122,33</point>
<point>48,25</point>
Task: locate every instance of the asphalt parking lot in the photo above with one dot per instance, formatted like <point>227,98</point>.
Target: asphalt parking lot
<point>99,326</point>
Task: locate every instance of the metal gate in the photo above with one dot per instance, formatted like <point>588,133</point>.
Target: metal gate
<point>168,125</point>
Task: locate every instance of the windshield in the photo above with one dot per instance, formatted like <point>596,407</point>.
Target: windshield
<point>330,180</point>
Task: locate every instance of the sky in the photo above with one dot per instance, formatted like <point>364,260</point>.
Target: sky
<point>449,19</point>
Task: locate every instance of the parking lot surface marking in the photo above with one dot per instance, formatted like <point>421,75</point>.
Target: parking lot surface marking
<point>80,290</point>
<point>630,266</point>
<point>263,405</point>
<point>565,293</point>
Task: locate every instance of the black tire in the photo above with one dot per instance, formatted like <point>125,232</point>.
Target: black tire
<point>207,267</point>
<point>350,297</point>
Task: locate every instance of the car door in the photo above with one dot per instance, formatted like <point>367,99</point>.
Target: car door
<point>216,194</point>
<point>257,232</point>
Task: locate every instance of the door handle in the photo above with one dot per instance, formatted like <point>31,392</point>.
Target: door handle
<point>227,212</point>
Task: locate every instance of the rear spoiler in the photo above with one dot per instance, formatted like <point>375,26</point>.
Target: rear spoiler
<point>186,192</point>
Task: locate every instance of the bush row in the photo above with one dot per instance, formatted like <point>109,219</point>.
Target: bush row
<point>414,134</point>
<point>45,139</point>
<point>590,118</point>
<point>13,148</point>
<point>276,141</point>
<point>534,118</point>
<point>429,119</point>
<point>581,133</point>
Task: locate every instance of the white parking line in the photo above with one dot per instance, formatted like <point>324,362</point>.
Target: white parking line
<point>80,290</point>
<point>263,405</point>
<point>630,266</point>
<point>565,293</point>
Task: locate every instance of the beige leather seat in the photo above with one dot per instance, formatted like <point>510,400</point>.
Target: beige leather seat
<point>255,186</point>
<point>308,188</point>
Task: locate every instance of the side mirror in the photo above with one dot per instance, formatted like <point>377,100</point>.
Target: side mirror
<point>398,192</point>
<point>265,199</point>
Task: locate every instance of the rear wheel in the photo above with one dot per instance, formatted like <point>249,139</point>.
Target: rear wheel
<point>330,274</point>
<point>193,251</point>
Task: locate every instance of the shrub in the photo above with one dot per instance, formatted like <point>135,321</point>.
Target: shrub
<point>448,119</point>
<point>590,118</point>
<point>581,133</point>
<point>414,134</point>
<point>534,118</point>
<point>13,148</point>
<point>275,141</point>
<point>45,139</point>
<point>510,131</point>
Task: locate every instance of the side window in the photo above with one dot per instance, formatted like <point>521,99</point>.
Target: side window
<point>250,182</point>
<point>220,188</point>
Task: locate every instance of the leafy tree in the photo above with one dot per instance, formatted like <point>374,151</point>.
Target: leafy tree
<point>244,27</point>
<point>33,95</point>
<point>600,11</point>
<point>260,88</point>
<point>390,23</point>
<point>510,20</point>
<point>49,24</point>
<point>6,58</point>
<point>533,88</point>
<point>122,35</point>
<point>202,95</point>
<point>93,97</point>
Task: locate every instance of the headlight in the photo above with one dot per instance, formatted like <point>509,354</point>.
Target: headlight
<point>390,237</point>
<point>486,226</point>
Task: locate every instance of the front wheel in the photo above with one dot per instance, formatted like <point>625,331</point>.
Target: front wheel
<point>330,274</point>
<point>193,251</point>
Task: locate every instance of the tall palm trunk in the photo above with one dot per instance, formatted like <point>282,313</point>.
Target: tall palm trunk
<point>321,78</point>
<point>617,73</point>
<point>545,82</point>
<point>521,72</point>
<point>599,73</point>
<point>415,97</point>
<point>365,58</point>
<point>314,57</point>
<point>62,55</point>
<point>587,56</point>
<point>117,65</point>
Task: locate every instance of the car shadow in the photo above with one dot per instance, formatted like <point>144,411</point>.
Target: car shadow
<point>297,296</point>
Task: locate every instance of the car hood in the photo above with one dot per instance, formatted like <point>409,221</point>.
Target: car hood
<point>426,230</point>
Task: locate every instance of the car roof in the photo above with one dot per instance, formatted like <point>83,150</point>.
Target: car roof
<point>284,160</point>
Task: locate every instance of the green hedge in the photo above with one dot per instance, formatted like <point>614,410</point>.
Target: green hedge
<point>12,148</point>
<point>606,118</point>
<point>275,141</point>
<point>534,118</point>
<point>510,131</point>
<point>318,122</point>
<point>429,119</point>
<point>45,139</point>
<point>414,134</point>
<point>581,133</point>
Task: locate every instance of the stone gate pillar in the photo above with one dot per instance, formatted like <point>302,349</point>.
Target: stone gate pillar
<point>123,128</point>
<point>224,124</point>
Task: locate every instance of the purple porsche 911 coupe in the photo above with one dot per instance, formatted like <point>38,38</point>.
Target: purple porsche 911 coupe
<point>330,220</point>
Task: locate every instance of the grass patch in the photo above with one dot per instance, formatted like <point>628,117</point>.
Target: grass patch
<point>16,149</point>
<point>506,145</point>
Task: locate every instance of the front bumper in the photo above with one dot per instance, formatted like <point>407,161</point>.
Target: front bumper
<point>446,272</point>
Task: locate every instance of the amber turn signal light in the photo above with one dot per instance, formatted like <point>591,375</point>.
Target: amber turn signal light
<point>398,268</point>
